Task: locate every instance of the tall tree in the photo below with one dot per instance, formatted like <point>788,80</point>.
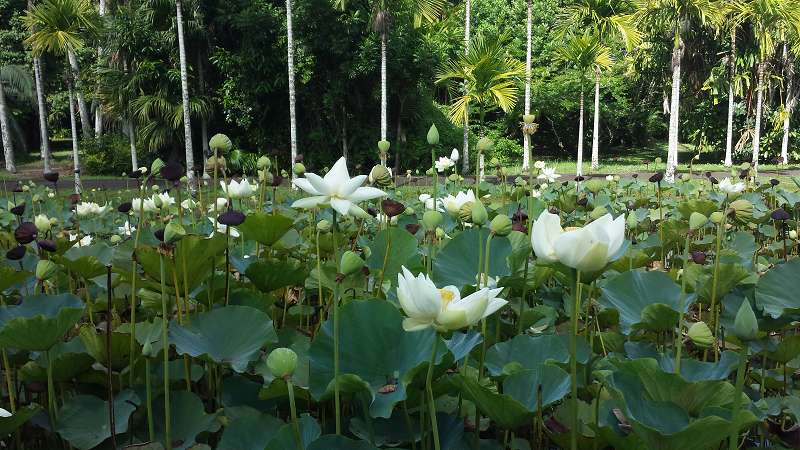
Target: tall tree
<point>187,124</point>
<point>465,127</point>
<point>14,82</point>
<point>41,109</point>
<point>526,142</point>
<point>790,94</point>
<point>290,69</point>
<point>98,112</point>
<point>675,17</point>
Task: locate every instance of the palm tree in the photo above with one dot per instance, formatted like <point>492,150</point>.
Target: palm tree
<point>770,21</point>
<point>14,82</point>
<point>98,112</point>
<point>676,17</point>
<point>586,53</point>
<point>526,139</point>
<point>187,125</point>
<point>791,94</point>
<point>608,20</point>
<point>732,22</point>
<point>62,27</point>
<point>467,27</point>
<point>290,69</point>
<point>41,109</point>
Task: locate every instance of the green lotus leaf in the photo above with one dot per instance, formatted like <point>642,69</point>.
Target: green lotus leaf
<point>231,335</point>
<point>10,424</point>
<point>198,252</point>
<point>285,438</point>
<point>776,292</point>
<point>507,411</point>
<point>68,359</point>
<point>250,432</point>
<point>9,277</point>
<point>334,442</point>
<point>457,263</point>
<point>89,261</point>
<point>83,420</point>
<point>95,343</point>
<point>188,419</point>
<point>39,322</point>
<point>269,275</point>
<point>530,352</point>
<point>266,229</point>
<point>391,248</point>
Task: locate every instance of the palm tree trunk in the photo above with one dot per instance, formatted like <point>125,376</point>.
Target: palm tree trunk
<point>8,146</point>
<point>465,146</point>
<point>759,106</point>
<point>76,159</point>
<point>42,112</point>
<point>98,112</point>
<point>344,132</point>
<point>596,129</point>
<point>201,81</point>
<point>729,137</point>
<point>579,165</point>
<point>132,140</point>
<point>384,102</point>
<point>674,111</point>
<point>526,139</point>
<point>290,68</point>
<point>789,67</point>
<point>187,123</point>
<point>86,126</point>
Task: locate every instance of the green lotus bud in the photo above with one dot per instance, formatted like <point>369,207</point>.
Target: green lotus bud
<point>439,232</point>
<point>484,144</point>
<point>42,223</point>
<point>745,326</point>
<point>298,169</point>
<point>453,177</point>
<point>716,217</point>
<point>157,201</point>
<point>742,209</point>
<point>116,239</point>
<point>173,233</point>
<point>465,212</point>
<point>697,221</point>
<point>494,162</point>
<point>409,211</point>
<point>323,226</point>
<point>594,185</point>
<point>598,213</point>
<point>685,177</point>
<point>184,179</point>
<point>632,221</point>
<point>215,163</point>
<point>429,172</point>
<point>433,135</point>
<point>351,263</point>
<point>156,166</point>
<point>367,252</point>
<point>501,225</point>
<point>264,162</point>
<point>383,146</point>
<point>432,219</point>
<point>45,269</point>
<point>265,176</point>
<point>380,176</point>
<point>284,173</point>
<point>220,143</point>
<point>701,335</point>
<point>282,362</point>
<point>479,213</point>
<point>745,166</point>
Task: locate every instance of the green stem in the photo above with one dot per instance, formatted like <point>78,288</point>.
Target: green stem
<point>51,390</point>
<point>429,388</point>
<point>150,427</point>
<point>336,393</point>
<point>714,324</point>
<point>679,335</point>
<point>293,409</point>
<point>134,277</point>
<point>573,362</point>
<point>733,440</point>
<point>165,341</point>
<point>9,382</point>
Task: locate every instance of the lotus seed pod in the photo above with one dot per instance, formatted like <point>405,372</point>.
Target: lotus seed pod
<point>350,263</point>
<point>282,362</point>
<point>685,177</point>
<point>116,239</point>
<point>156,166</point>
<point>323,226</point>
<point>594,185</point>
<point>484,144</point>
<point>439,233</point>
<point>501,225</point>
<point>298,169</point>
<point>383,146</point>
<point>173,233</point>
<point>742,209</point>
<point>380,176</point>
<point>45,269</point>
<point>700,335</point>
<point>264,162</point>
<point>697,221</point>
<point>598,213</point>
<point>716,217</point>
<point>220,143</point>
<point>433,135</point>
<point>432,219</point>
<point>409,211</point>
<point>632,221</point>
<point>42,223</point>
<point>479,213</point>
<point>745,326</point>
<point>367,252</point>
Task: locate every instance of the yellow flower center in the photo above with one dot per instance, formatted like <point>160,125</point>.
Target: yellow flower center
<point>447,296</point>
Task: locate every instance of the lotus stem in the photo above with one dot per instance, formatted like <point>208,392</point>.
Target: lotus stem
<point>109,317</point>
<point>132,358</point>
<point>293,410</point>
<point>51,390</point>
<point>336,393</point>
<point>9,382</point>
<point>429,389</point>
<point>227,262</point>
<point>713,315</point>
<point>682,305</point>
<point>165,341</point>
<point>148,387</point>
<point>733,440</point>
<point>573,362</point>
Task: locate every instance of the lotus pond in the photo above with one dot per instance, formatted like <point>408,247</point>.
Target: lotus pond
<point>347,313</point>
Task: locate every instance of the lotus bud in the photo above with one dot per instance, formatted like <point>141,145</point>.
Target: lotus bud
<point>598,213</point>
<point>793,234</point>
<point>383,146</point>
<point>716,217</point>
<point>282,362</point>
<point>501,225</point>
<point>351,263</point>
<point>45,269</point>
<point>157,201</point>
<point>220,143</point>
<point>745,326</point>
<point>380,176</point>
<point>632,221</point>
<point>494,162</point>
<point>479,213</point>
<point>264,162</point>
<point>173,233</point>
<point>432,219</point>
<point>216,163</point>
<point>685,177</point>
<point>528,118</point>
<point>741,209</point>
<point>700,334</point>
<point>429,172</point>
<point>298,169</point>
<point>697,221</point>
<point>453,177</point>
<point>409,211</point>
<point>115,239</point>
<point>439,233</point>
<point>484,144</point>
<point>433,135</point>
<point>42,223</point>
<point>367,252</point>
<point>594,185</point>
<point>323,226</point>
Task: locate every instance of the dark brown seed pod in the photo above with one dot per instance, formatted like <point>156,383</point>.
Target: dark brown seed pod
<point>636,175</point>
<point>231,218</point>
<point>412,228</point>
<point>25,233</point>
<point>18,210</point>
<point>16,253</point>
<point>47,245</point>
<point>656,177</point>
<point>713,180</point>
<point>51,176</point>
<point>159,234</point>
<point>124,208</point>
<point>172,172</point>
<point>583,201</point>
<point>579,178</point>
<point>392,208</point>
<point>277,180</point>
<point>774,182</point>
<point>699,257</point>
<point>780,214</point>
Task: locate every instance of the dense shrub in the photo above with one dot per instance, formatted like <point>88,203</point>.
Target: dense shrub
<point>107,155</point>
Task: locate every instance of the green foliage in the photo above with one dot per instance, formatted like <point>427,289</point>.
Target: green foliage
<point>107,155</point>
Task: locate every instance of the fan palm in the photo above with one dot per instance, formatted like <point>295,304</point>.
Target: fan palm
<point>674,16</point>
<point>15,82</point>
<point>586,54</point>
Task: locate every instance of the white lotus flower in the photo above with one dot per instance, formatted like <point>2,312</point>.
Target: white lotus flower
<point>236,189</point>
<point>127,229</point>
<point>454,155</point>
<point>84,209</point>
<point>188,204</point>
<point>336,189</point>
<point>549,174</point>
<point>453,203</point>
<point>539,165</point>
<point>609,177</point>
<point>221,202</point>
<point>222,228</point>
<point>427,200</point>
<point>730,188</point>
<point>4,413</point>
<point>587,249</point>
<point>444,163</point>
<point>86,240</point>
<point>164,199</point>
<point>137,204</point>
<point>444,309</point>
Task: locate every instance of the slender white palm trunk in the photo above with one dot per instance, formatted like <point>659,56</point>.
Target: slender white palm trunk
<point>384,101</point>
<point>132,139</point>
<point>759,106</point>
<point>674,111</point>
<point>98,112</point>
<point>526,138</point>
<point>86,126</point>
<point>596,128</point>
<point>290,68</point>
<point>729,137</point>
<point>465,146</point>
<point>76,158</point>
<point>187,124</point>
<point>789,106</point>
<point>8,146</point>
<point>579,165</point>
<point>42,113</point>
